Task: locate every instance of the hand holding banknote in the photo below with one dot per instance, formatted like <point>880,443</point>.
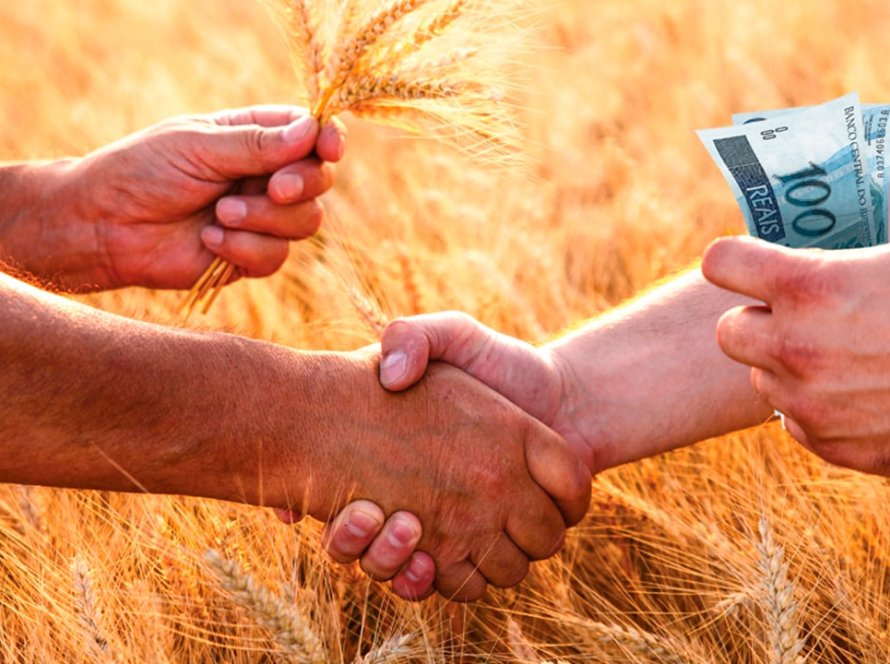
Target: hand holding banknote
<point>820,345</point>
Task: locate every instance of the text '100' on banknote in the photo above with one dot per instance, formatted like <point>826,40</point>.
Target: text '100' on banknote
<point>808,177</point>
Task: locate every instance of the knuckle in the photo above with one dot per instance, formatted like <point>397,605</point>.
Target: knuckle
<point>400,324</point>
<point>470,594</point>
<point>726,329</point>
<point>375,571</point>
<point>314,217</point>
<point>879,464</point>
<point>254,143</point>
<point>512,576</point>
<point>761,384</point>
<point>550,539</point>
<point>278,256</point>
<point>810,413</point>
<point>556,543</point>
<point>341,555</point>
<point>798,355</point>
<point>578,482</point>
<point>268,265</point>
<point>810,282</point>
<point>328,175</point>
<point>491,478</point>
<point>460,317</point>
<point>834,451</point>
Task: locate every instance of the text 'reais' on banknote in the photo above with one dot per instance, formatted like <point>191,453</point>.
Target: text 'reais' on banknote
<point>800,178</point>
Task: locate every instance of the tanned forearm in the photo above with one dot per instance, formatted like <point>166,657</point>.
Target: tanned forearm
<point>649,377</point>
<point>91,400</point>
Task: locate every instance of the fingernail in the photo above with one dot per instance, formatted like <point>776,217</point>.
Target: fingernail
<point>416,570</point>
<point>400,535</point>
<point>393,367</point>
<point>231,211</point>
<point>212,236</point>
<point>289,516</point>
<point>298,129</point>
<point>290,186</point>
<point>361,524</point>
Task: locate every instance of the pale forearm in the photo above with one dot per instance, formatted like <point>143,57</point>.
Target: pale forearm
<point>649,377</point>
<point>91,400</point>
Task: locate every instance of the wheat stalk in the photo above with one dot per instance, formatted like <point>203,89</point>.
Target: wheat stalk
<point>778,598</point>
<point>288,626</point>
<point>384,67</point>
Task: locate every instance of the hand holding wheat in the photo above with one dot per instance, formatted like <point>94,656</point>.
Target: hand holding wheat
<point>140,211</point>
<point>430,66</point>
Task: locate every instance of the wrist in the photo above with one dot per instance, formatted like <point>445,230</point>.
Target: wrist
<point>50,232</point>
<point>288,436</point>
<point>568,417</point>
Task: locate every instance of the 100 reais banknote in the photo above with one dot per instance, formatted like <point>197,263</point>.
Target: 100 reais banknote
<point>809,177</point>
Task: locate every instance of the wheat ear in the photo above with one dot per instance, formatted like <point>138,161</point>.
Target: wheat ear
<point>433,28</point>
<point>308,52</point>
<point>394,649</point>
<point>369,311</point>
<point>636,641</point>
<point>86,606</point>
<point>377,69</point>
<point>348,56</point>
<point>519,645</point>
<point>781,609</point>
<point>288,626</point>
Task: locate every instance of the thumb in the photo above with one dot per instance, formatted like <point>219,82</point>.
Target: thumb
<point>751,267</point>
<point>235,152</point>
<point>506,365</point>
<point>409,344</point>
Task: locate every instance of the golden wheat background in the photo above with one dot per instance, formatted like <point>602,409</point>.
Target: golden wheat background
<point>740,549</point>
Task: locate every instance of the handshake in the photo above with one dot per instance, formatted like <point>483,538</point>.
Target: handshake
<point>510,472</point>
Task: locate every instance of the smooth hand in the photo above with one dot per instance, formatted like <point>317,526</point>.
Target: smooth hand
<point>158,205</point>
<point>819,347</point>
<point>531,378</point>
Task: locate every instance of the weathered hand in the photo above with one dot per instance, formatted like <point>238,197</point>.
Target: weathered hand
<point>239,184</point>
<point>530,377</point>
<point>820,345</point>
<point>492,487</point>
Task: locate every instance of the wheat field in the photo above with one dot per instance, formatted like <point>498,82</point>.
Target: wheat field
<point>741,549</point>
